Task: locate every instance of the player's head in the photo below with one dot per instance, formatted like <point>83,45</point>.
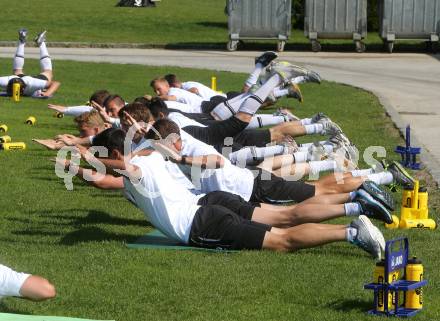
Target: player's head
<point>112,104</point>
<point>112,139</point>
<point>99,96</point>
<point>160,86</point>
<point>173,81</point>
<point>89,124</point>
<point>139,112</point>
<point>167,132</point>
<point>144,100</point>
<point>10,85</point>
<point>158,108</point>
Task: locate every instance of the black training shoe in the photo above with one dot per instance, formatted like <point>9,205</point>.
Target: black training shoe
<point>400,175</point>
<point>371,207</point>
<point>379,194</point>
<point>22,34</point>
<point>266,58</point>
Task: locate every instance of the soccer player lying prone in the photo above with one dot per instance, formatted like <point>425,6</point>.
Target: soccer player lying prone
<point>221,219</point>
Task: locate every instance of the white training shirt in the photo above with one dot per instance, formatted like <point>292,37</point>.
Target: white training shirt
<point>168,205</point>
<point>172,168</point>
<point>230,178</point>
<point>179,106</point>
<point>185,97</point>
<point>183,121</point>
<point>204,91</point>
<point>11,281</point>
<point>34,86</point>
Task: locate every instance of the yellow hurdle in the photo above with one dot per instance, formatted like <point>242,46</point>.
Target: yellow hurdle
<point>13,146</point>
<point>31,120</point>
<point>5,139</point>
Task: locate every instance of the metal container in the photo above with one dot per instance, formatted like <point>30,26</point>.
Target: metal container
<point>258,20</point>
<point>409,19</point>
<point>336,19</point>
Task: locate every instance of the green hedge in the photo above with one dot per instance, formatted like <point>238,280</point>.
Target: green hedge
<point>298,9</point>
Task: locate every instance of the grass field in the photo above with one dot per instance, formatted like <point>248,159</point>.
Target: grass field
<point>77,238</point>
<point>173,23</point>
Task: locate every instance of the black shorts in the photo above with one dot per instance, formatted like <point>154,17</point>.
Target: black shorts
<point>216,132</point>
<point>231,201</point>
<point>253,137</point>
<point>39,76</point>
<point>223,222</point>
<point>269,188</point>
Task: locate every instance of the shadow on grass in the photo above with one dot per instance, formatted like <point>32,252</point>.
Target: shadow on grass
<point>96,217</point>
<point>266,45</point>
<point>95,234</point>
<point>212,24</point>
<point>350,306</point>
<point>5,309</point>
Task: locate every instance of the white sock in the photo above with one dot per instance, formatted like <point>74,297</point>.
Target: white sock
<point>300,157</point>
<point>262,120</point>
<point>299,80</point>
<point>352,209</point>
<point>307,145</point>
<point>253,76</point>
<point>255,100</point>
<point>317,167</point>
<point>45,62</point>
<point>350,234</point>
<point>280,92</point>
<point>314,128</point>
<point>19,57</point>
<point>361,172</point>
<point>306,121</point>
<point>252,154</point>
<point>352,195</point>
<point>382,178</point>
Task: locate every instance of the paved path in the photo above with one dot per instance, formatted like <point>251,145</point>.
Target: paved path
<point>408,85</point>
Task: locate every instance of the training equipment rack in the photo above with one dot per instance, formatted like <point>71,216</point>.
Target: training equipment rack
<point>408,153</point>
<point>396,259</point>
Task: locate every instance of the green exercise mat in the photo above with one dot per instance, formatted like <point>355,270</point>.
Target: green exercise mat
<point>20,317</point>
<point>156,240</point>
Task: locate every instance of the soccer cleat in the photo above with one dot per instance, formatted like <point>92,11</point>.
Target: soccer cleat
<point>379,194</point>
<point>286,113</point>
<point>40,38</point>
<point>372,207</point>
<point>329,128</point>
<point>22,34</point>
<point>317,152</point>
<point>350,152</point>
<point>340,139</point>
<point>317,117</point>
<point>286,70</point>
<point>295,92</point>
<point>368,237</point>
<point>400,175</point>
<point>313,76</point>
<point>266,58</point>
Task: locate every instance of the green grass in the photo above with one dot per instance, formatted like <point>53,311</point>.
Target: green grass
<point>173,23</point>
<point>77,238</point>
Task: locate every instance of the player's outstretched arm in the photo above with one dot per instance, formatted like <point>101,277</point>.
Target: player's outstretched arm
<point>36,288</point>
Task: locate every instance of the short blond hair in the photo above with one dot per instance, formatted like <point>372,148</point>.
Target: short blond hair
<point>90,119</point>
